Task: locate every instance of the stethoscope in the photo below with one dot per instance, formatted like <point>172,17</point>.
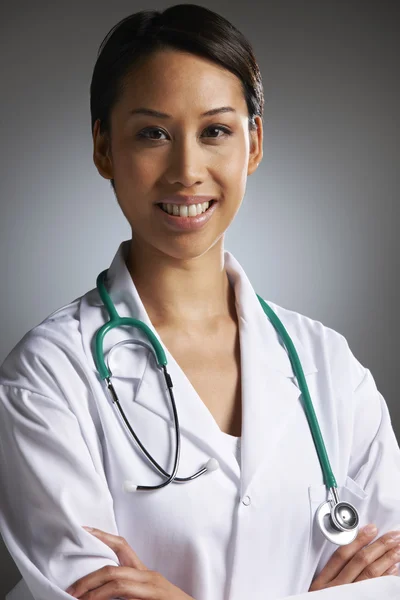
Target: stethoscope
<point>338,521</point>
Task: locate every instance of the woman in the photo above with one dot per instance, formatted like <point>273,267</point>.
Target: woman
<point>176,106</point>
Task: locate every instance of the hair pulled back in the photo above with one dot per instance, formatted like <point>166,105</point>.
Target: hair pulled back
<point>186,27</point>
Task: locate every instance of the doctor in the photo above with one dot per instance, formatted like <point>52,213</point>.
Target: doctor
<point>176,105</point>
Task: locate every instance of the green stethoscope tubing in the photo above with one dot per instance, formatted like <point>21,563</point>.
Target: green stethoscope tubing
<point>117,321</point>
<point>329,478</point>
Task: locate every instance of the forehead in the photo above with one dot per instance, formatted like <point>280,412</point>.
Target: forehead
<point>171,81</point>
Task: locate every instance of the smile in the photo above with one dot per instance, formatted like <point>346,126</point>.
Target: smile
<point>184,210</point>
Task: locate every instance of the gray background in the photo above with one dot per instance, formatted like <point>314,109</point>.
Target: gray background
<point>317,230</point>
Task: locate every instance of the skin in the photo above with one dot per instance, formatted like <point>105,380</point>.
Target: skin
<point>180,277</point>
<point>360,560</point>
<point>132,580</point>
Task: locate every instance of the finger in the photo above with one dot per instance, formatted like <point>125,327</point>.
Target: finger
<point>381,565</point>
<point>121,589</point>
<point>126,556</point>
<point>365,557</point>
<point>392,571</point>
<point>342,555</point>
<point>106,575</point>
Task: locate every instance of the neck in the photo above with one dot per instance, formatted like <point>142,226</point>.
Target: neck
<point>182,294</point>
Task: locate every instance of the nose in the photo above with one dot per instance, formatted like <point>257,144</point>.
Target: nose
<point>186,163</point>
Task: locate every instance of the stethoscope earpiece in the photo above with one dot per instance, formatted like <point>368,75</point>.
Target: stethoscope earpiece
<point>129,486</point>
<point>212,464</point>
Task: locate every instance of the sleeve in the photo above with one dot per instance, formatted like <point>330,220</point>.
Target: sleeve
<point>375,457</point>
<point>371,589</point>
<point>374,466</point>
<point>50,488</point>
<point>374,461</point>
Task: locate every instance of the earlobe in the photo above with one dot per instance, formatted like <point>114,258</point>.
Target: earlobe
<point>101,154</point>
<point>252,167</point>
<point>256,149</point>
<point>254,161</point>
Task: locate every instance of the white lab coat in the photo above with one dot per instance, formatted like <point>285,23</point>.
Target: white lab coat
<point>241,532</point>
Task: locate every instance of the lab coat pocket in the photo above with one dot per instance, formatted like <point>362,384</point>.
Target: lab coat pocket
<point>352,492</point>
<point>319,546</point>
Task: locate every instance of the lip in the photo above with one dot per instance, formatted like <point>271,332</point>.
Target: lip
<point>185,200</point>
<point>187,223</point>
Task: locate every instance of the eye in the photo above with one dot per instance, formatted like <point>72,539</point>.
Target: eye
<point>225,130</point>
<point>145,133</point>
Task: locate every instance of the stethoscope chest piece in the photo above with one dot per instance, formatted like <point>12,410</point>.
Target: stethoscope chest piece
<point>338,522</point>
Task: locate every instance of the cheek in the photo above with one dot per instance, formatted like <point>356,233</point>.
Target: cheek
<point>231,170</point>
<point>131,165</point>
<point>231,159</point>
<point>135,177</point>
<point>128,160</point>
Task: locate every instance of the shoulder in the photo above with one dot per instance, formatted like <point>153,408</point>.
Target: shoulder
<point>344,392</point>
<point>328,348</point>
<point>53,345</point>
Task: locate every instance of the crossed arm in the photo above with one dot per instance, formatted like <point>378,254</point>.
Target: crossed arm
<point>361,560</point>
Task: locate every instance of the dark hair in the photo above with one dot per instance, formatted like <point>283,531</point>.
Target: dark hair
<point>186,27</point>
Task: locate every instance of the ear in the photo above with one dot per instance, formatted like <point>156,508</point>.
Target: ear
<point>256,146</point>
<point>102,152</point>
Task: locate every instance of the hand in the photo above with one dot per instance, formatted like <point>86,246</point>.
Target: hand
<point>358,561</point>
<point>130,581</point>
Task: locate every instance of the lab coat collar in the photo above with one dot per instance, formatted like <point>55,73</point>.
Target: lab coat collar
<point>270,393</point>
<point>128,302</point>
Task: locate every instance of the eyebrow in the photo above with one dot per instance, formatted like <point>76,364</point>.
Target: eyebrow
<point>155,113</point>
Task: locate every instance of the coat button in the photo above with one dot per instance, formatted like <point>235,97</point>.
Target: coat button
<point>246,500</point>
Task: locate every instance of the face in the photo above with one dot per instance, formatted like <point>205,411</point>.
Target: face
<point>185,153</point>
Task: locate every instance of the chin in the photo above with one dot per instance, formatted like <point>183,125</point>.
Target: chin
<point>187,249</point>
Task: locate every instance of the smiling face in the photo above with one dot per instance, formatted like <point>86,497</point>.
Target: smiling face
<point>187,153</point>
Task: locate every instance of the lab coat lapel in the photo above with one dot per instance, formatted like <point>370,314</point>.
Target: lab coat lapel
<point>268,403</point>
<point>270,392</point>
<point>195,420</point>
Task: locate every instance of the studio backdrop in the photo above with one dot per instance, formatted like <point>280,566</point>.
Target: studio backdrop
<point>318,228</point>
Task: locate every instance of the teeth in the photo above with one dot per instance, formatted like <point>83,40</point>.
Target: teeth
<point>185,211</point>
